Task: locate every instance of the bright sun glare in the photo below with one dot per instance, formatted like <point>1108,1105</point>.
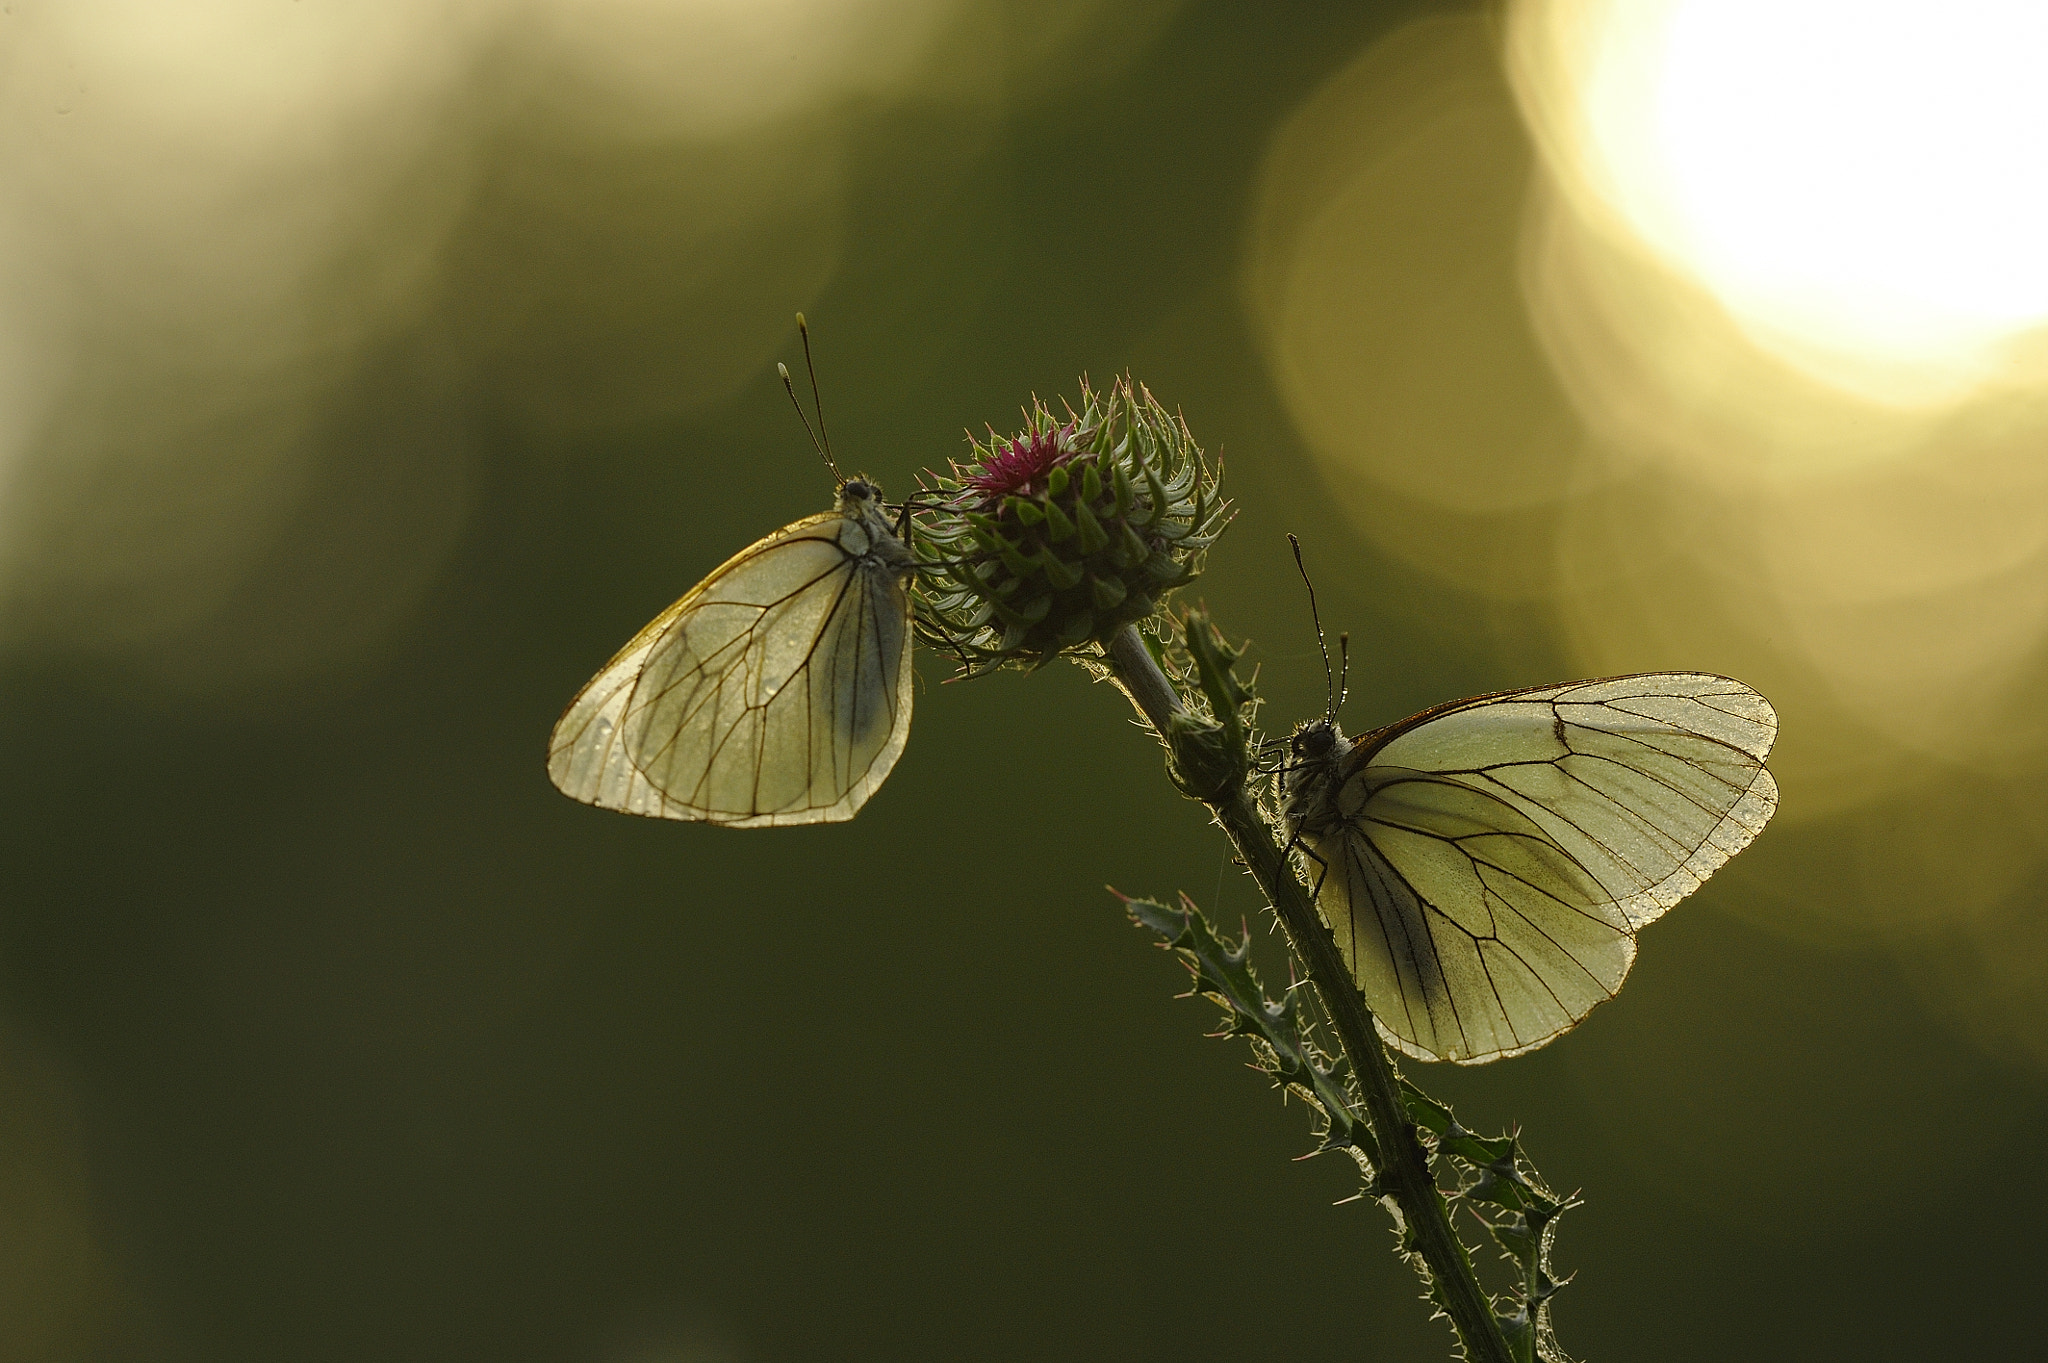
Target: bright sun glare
<point>1865,183</point>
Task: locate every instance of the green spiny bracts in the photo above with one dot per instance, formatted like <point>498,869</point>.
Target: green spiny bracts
<point>1057,537</point>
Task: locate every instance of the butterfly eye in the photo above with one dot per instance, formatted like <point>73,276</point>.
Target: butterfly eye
<point>1314,741</point>
<point>858,489</point>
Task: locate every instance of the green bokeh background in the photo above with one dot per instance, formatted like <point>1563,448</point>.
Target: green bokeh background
<point>332,1032</point>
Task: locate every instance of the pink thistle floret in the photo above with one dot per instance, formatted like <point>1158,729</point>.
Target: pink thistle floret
<point>1021,464</point>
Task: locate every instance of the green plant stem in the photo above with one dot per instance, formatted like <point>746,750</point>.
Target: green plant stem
<point>1405,1172</point>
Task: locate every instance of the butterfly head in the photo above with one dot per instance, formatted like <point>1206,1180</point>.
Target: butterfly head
<point>860,501</point>
<point>1315,750</point>
<point>1315,741</point>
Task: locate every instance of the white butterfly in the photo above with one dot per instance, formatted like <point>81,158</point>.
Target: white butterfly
<point>777,691</point>
<point>1485,865</point>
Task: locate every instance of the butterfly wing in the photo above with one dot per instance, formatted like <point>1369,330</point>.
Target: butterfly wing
<point>1496,857</point>
<point>777,691</point>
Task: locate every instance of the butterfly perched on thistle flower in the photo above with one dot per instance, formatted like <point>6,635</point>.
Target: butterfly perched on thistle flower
<point>1485,865</point>
<point>776,691</point>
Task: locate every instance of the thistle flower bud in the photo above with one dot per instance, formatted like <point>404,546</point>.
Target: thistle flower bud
<point>1057,537</point>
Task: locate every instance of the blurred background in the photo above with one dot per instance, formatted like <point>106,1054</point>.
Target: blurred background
<point>370,371</point>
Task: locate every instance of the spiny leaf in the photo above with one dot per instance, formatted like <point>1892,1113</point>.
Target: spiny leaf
<point>1223,974</point>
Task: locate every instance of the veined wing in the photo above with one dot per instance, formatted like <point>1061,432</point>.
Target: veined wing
<point>1498,855</point>
<point>1471,935</point>
<point>1649,782</point>
<point>777,691</point>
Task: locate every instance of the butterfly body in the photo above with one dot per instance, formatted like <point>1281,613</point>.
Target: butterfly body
<point>1318,748</point>
<point>1484,866</point>
<point>776,691</point>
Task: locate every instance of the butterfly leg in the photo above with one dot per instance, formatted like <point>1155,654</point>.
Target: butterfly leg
<point>937,635</point>
<point>1322,867</point>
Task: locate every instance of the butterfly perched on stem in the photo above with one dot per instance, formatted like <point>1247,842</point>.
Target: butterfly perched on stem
<point>1485,865</point>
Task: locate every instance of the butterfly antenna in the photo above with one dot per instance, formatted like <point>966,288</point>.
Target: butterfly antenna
<point>817,400</point>
<point>1329,674</point>
<point>816,444</point>
<point>1343,672</point>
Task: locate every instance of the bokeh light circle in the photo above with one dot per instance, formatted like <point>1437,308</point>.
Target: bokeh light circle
<point>1857,184</point>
